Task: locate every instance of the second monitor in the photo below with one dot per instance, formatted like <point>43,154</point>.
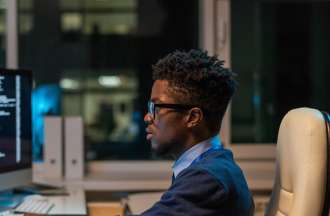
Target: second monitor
<point>15,128</point>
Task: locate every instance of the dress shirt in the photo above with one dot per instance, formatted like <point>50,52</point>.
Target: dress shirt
<point>193,153</point>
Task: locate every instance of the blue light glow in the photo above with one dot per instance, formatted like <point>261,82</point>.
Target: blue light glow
<point>46,100</point>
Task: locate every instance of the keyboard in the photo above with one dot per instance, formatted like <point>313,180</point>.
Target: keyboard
<point>34,206</point>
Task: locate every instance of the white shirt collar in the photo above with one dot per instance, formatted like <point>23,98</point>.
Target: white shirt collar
<point>194,152</point>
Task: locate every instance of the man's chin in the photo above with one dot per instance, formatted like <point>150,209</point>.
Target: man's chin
<point>159,150</point>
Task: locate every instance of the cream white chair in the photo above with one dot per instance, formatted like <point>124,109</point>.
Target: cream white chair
<point>302,165</point>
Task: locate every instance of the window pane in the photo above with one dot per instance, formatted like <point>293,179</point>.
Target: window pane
<point>25,5</point>
<point>114,4</point>
<point>119,23</point>
<point>93,4</point>
<point>25,23</point>
<point>280,52</point>
<point>99,55</point>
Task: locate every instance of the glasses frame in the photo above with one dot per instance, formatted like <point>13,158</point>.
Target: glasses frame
<point>152,107</point>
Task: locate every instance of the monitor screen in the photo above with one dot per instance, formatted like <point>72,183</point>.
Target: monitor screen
<point>15,120</point>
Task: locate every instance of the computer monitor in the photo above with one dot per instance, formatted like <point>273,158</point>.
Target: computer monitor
<point>15,128</point>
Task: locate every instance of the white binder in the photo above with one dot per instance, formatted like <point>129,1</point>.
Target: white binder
<point>53,147</point>
<point>74,148</point>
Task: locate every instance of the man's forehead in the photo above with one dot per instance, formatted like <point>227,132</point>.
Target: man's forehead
<point>160,92</point>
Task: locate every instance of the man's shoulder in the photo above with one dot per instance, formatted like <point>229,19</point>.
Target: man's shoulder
<point>202,189</point>
<point>219,162</point>
<point>218,165</point>
<point>219,181</point>
<point>197,173</point>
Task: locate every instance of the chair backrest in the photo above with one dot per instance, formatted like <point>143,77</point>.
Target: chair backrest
<point>326,207</point>
<point>300,187</point>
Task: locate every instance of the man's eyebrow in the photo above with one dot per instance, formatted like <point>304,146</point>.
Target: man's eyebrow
<point>155,100</point>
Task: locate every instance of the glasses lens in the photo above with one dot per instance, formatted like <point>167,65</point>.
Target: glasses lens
<point>151,107</point>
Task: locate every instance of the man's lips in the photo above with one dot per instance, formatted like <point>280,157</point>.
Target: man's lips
<point>149,134</point>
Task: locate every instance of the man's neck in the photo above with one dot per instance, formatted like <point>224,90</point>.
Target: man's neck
<point>190,142</point>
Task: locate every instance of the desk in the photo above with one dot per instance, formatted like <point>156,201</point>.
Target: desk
<point>105,209</point>
<point>259,176</point>
<point>73,204</point>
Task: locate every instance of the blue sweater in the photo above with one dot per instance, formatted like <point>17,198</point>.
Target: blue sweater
<point>213,186</point>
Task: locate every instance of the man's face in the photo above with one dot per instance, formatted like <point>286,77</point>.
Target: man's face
<point>166,129</point>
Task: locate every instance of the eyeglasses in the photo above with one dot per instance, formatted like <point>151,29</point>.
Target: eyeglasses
<point>152,107</point>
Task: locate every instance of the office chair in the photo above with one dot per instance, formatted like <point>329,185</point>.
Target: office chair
<point>301,186</point>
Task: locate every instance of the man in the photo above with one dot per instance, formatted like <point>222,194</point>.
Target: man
<point>189,97</point>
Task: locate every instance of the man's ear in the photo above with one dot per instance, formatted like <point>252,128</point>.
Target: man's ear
<point>195,117</point>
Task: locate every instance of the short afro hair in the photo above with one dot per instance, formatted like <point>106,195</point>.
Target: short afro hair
<point>195,78</point>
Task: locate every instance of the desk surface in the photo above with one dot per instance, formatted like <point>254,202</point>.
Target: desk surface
<point>259,177</point>
<point>72,204</point>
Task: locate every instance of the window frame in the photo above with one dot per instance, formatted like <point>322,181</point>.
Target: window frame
<point>11,34</point>
<point>216,39</point>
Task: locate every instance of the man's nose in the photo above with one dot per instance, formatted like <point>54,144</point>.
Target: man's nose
<point>148,118</point>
